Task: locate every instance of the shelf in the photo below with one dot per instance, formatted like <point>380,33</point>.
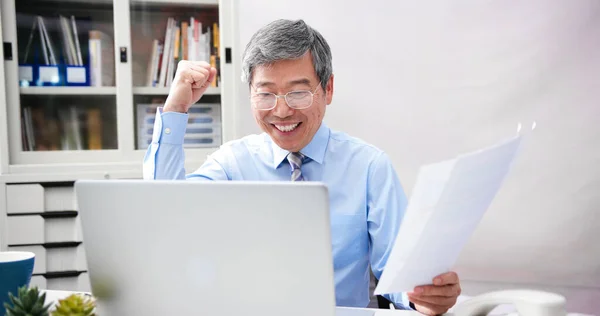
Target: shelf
<point>75,1</point>
<point>65,4</point>
<point>165,91</point>
<point>180,2</point>
<point>68,90</point>
<point>101,91</point>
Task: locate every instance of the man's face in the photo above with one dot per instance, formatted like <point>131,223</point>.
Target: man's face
<point>289,128</point>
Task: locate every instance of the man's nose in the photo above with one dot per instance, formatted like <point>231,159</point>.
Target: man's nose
<point>281,108</point>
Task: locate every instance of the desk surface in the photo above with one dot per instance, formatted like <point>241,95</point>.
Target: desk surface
<point>54,296</point>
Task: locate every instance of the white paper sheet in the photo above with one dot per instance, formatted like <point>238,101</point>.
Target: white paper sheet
<point>447,203</point>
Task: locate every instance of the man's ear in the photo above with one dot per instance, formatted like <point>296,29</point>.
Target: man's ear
<point>329,90</point>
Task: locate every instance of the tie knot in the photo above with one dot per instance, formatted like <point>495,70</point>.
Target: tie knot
<point>295,160</point>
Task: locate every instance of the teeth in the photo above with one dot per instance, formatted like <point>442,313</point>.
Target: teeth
<point>287,128</point>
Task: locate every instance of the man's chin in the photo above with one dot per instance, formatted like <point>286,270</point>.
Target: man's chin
<point>288,141</point>
<point>286,145</point>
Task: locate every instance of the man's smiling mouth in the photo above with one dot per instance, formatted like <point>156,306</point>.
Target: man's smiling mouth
<point>286,127</point>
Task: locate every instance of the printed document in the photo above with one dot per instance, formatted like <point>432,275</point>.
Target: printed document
<point>448,201</point>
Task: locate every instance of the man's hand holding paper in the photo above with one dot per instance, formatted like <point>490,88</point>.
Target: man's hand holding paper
<point>438,297</point>
<point>448,201</point>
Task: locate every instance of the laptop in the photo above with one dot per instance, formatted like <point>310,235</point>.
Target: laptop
<point>207,248</point>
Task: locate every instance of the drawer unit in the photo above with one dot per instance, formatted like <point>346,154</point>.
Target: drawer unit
<point>35,198</point>
<point>62,229</point>
<point>24,198</point>
<point>59,199</point>
<point>65,259</point>
<point>25,230</point>
<point>39,281</point>
<point>78,282</point>
<point>43,219</point>
<point>56,257</point>
<point>45,228</point>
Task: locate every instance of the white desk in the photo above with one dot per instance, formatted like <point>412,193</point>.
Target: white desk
<point>54,296</point>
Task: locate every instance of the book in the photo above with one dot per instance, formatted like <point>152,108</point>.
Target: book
<point>77,46</point>
<point>94,129</point>
<point>166,53</point>
<point>43,41</point>
<point>64,34</point>
<point>102,59</point>
<point>182,41</point>
<point>30,41</point>
<point>151,62</point>
<point>27,123</point>
<point>75,127</point>
<point>69,42</point>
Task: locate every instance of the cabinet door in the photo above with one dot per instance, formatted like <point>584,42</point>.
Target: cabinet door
<point>163,33</point>
<point>61,93</point>
<point>5,54</point>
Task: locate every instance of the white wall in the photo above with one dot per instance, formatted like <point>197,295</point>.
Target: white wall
<point>428,80</point>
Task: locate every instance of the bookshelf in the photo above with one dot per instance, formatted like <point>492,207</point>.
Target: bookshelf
<point>129,30</point>
<point>77,89</point>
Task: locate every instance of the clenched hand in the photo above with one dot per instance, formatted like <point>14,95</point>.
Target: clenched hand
<point>192,78</point>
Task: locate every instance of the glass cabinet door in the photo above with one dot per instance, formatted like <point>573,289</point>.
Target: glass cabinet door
<point>66,98</point>
<point>162,34</point>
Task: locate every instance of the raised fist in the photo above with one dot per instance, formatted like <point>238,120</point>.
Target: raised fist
<point>192,78</point>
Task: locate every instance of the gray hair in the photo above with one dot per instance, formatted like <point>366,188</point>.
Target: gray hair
<point>285,39</point>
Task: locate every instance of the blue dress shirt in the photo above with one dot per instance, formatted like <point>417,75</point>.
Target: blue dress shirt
<point>367,201</point>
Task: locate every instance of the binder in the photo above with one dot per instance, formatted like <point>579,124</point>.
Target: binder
<point>49,71</point>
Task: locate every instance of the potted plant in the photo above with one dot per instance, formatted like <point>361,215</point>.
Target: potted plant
<point>30,302</point>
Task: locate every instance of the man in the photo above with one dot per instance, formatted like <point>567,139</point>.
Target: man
<point>287,65</point>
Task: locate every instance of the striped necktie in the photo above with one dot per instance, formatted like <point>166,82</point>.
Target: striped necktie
<point>295,160</point>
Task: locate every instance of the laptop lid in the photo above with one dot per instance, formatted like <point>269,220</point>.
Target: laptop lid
<point>207,248</point>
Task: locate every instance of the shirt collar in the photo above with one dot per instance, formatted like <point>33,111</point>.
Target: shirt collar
<point>315,150</point>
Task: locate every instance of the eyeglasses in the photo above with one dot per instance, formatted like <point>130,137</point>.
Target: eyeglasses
<point>300,99</point>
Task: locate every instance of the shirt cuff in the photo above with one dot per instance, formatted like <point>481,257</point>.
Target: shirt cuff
<point>406,303</point>
<point>169,127</point>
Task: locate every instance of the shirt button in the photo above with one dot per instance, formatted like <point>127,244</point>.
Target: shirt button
<point>167,130</point>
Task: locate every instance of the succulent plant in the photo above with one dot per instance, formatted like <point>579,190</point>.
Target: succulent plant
<point>28,302</point>
<point>75,305</point>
